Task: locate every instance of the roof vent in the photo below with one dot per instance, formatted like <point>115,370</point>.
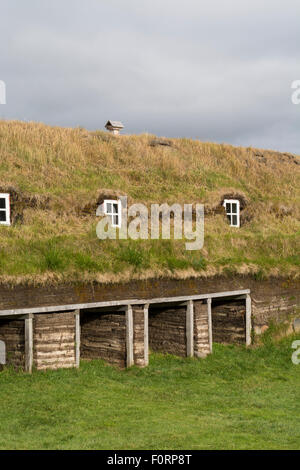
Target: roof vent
<point>114,127</point>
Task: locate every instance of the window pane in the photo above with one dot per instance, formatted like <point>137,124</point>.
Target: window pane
<point>108,208</point>
<point>2,203</point>
<point>229,217</point>
<point>228,207</point>
<point>234,207</point>
<point>234,220</point>
<point>115,220</point>
<point>115,208</point>
<point>2,216</point>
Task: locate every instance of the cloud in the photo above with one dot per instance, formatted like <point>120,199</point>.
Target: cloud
<point>218,71</point>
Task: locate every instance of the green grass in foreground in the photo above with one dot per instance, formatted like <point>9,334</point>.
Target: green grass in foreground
<point>234,399</point>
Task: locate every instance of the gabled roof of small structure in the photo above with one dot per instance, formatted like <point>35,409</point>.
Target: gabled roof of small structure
<point>116,124</point>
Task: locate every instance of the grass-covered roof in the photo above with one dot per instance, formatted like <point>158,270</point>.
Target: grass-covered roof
<point>55,176</point>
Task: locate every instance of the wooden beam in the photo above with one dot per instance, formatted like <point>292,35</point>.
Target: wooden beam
<point>248,320</point>
<point>146,334</point>
<point>77,338</point>
<point>125,303</point>
<point>190,329</point>
<point>29,343</point>
<point>14,317</point>
<point>129,337</point>
<point>210,336</point>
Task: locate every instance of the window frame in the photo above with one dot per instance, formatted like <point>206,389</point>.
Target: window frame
<point>6,196</point>
<point>112,214</point>
<point>231,213</point>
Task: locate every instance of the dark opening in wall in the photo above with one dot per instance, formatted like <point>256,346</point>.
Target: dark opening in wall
<point>12,333</point>
<point>228,321</point>
<point>103,336</point>
<point>167,329</point>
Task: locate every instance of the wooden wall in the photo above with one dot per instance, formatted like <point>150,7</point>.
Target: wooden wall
<point>12,332</point>
<point>201,334</point>
<point>229,322</point>
<point>54,340</point>
<point>167,330</point>
<point>103,336</point>
<point>138,335</point>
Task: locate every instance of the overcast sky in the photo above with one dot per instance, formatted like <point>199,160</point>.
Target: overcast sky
<point>217,70</point>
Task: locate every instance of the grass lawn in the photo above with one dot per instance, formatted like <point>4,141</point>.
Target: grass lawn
<point>234,399</point>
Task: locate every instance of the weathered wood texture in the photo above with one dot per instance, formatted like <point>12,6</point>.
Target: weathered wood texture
<point>248,321</point>
<point>77,338</point>
<point>229,322</point>
<point>201,332</point>
<point>103,336</point>
<point>54,340</point>
<point>189,328</point>
<point>129,336</point>
<point>146,334</point>
<point>167,330</point>
<point>29,343</point>
<point>138,336</point>
<point>210,337</point>
<point>12,332</point>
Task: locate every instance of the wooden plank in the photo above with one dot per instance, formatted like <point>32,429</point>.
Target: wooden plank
<point>29,343</point>
<point>190,329</point>
<point>138,335</point>
<point>77,338</point>
<point>125,303</point>
<point>248,320</point>
<point>209,325</point>
<point>129,337</point>
<point>146,334</point>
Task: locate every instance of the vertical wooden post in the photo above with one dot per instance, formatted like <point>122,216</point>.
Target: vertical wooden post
<point>248,320</point>
<point>210,336</point>
<point>129,337</point>
<point>146,334</point>
<point>190,329</point>
<point>29,343</point>
<point>77,338</point>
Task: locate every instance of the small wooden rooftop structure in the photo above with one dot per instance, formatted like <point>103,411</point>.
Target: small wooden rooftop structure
<point>114,127</point>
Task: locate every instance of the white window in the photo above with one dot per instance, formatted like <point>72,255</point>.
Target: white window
<point>114,209</point>
<point>4,209</point>
<point>232,209</point>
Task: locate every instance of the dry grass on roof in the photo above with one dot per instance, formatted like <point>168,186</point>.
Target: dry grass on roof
<point>64,171</point>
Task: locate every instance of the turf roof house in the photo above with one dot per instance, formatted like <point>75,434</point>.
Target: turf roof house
<point>38,334</point>
<point>45,325</point>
